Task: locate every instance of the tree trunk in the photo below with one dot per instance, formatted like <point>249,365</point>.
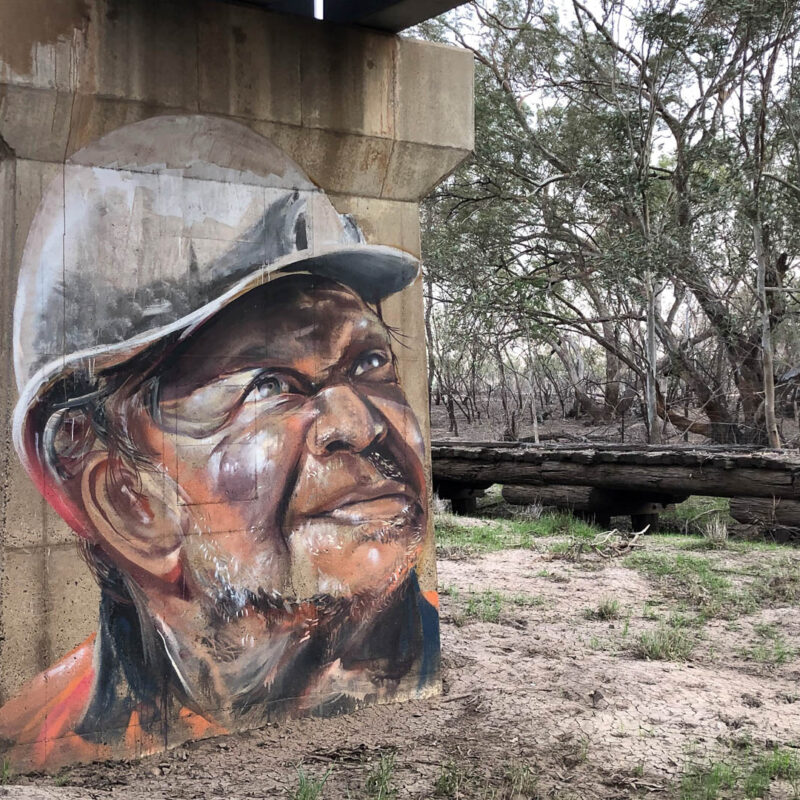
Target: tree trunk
<point>768,367</point>
<point>651,389</point>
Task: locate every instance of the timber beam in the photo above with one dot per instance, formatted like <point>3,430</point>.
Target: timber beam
<point>720,472</point>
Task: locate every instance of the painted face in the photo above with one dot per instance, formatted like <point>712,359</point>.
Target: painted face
<point>299,471</point>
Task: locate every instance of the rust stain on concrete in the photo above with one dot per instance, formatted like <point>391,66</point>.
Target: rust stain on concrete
<point>25,23</point>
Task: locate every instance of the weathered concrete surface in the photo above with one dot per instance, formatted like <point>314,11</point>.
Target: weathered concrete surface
<point>374,120</point>
<point>381,102</point>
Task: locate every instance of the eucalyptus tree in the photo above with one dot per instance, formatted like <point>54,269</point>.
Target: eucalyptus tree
<point>635,178</point>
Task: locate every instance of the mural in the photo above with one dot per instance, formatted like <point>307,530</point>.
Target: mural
<point>209,397</point>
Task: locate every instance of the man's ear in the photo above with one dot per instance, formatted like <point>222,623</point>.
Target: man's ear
<point>135,515</point>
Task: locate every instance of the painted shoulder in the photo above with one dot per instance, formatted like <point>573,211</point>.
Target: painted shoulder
<point>45,712</point>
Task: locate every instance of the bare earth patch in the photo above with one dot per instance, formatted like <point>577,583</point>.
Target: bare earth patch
<point>548,698</point>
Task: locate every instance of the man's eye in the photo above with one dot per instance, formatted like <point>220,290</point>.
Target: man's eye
<point>269,386</point>
<point>369,362</point>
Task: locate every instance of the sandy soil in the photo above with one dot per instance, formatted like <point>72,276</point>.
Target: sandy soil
<point>544,692</point>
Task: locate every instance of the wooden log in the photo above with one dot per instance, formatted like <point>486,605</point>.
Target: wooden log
<point>591,499</point>
<point>576,498</point>
<point>675,472</point>
<point>766,512</point>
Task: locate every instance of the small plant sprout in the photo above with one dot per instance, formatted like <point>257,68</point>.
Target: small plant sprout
<point>308,787</point>
<point>379,785</point>
<point>608,609</point>
<point>485,606</point>
<point>450,782</point>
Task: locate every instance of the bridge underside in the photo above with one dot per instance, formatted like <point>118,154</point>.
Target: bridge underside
<point>386,15</point>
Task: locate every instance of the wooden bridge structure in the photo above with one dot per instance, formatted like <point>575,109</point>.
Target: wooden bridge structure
<point>605,480</point>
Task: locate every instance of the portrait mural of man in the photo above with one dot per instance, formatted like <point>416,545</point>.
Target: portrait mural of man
<point>209,397</point>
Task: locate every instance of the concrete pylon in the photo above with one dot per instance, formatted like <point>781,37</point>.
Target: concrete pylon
<point>116,116</point>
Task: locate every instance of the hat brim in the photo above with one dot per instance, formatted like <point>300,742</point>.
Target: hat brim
<point>374,272</point>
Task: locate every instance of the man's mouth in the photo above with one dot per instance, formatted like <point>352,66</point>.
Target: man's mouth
<point>386,500</point>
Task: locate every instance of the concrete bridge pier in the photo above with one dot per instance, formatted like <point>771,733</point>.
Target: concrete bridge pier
<point>373,120</point>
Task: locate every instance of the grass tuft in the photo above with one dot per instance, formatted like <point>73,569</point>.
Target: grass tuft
<point>705,783</point>
<point>695,580</point>
<point>522,600</point>
<point>484,606</point>
<point>520,782</point>
<point>308,787</point>
<point>691,516</point>
<point>476,536</point>
<point>779,764</point>
<point>716,533</point>
<point>378,785</point>
<point>451,781</point>
<point>514,780</point>
<point>609,608</point>
<point>769,647</point>
<point>529,513</point>
<point>665,643</point>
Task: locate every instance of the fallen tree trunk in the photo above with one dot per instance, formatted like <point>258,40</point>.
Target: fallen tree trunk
<point>721,473</point>
<point>767,512</point>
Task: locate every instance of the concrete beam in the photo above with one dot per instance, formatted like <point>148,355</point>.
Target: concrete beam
<point>364,113</point>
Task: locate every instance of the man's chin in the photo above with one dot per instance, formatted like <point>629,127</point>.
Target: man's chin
<point>347,553</point>
<point>322,610</point>
<point>332,601</point>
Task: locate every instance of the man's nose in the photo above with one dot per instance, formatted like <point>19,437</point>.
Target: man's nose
<point>345,421</point>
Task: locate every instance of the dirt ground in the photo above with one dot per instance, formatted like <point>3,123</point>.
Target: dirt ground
<point>546,691</point>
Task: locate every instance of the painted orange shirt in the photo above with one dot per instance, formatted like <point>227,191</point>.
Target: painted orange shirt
<point>38,726</point>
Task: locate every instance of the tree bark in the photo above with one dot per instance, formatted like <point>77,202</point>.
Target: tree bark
<point>651,390</point>
<point>717,473</point>
<point>768,367</point>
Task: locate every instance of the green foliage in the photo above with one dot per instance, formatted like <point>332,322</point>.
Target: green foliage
<point>6,772</point>
<point>520,782</point>
<point>613,155</point>
<point>515,780</point>
<point>691,516</point>
<point>694,580</point>
<point>703,583</point>
<point>487,605</point>
<point>526,600</point>
<point>769,647</point>
<point>451,781</point>
<point>779,585</point>
<point>751,778</point>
